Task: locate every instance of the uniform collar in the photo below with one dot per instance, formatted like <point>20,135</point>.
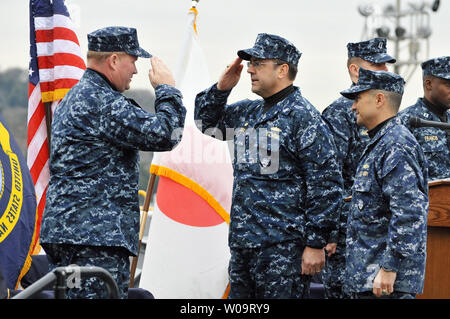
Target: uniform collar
<point>282,105</point>
<point>104,78</point>
<point>377,128</point>
<point>387,125</point>
<point>428,114</point>
<point>439,110</point>
<point>277,97</point>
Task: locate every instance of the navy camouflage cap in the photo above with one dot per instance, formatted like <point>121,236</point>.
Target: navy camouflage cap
<point>270,46</point>
<point>116,39</point>
<point>373,50</point>
<point>375,80</point>
<point>438,67</point>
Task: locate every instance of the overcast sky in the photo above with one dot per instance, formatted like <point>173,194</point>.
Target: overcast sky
<point>319,29</point>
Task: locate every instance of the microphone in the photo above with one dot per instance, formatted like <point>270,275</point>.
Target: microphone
<point>418,122</point>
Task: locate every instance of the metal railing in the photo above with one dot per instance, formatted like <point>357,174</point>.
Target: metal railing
<point>60,277</point>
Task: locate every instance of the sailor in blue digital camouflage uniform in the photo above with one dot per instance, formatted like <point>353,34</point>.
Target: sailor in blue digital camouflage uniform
<point>434,106</point>
<point>387,223</point>
<point>91,216</point>
<point>350,140</point>
<point>287,185</point>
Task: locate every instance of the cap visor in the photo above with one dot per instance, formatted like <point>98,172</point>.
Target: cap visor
<point>380,58</point>
<point>247,54</point>
<point>140,53</point>
<point>445,76</point>
<point>352,92</point>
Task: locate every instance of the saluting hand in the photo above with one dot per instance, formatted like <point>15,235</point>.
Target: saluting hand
<point>230,77</point>
<point>160,73</point>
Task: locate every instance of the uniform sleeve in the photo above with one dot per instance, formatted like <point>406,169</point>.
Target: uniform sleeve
<point>340,127</point>
<point>130,126</point>
<point>323,182</point>
<point>214,117</point>
<point>405,188</point>
<point>341,131</point>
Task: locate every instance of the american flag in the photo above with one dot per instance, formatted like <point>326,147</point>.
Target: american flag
<point>56,65</point>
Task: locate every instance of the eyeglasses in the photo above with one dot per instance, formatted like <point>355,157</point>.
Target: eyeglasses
<point>257,63</point>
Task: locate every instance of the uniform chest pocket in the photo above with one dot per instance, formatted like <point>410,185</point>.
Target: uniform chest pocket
<point>361,196</point>
<point>362,185</point>
<point>269,151</point>
<point>433,141</point>
<point>246,150</point>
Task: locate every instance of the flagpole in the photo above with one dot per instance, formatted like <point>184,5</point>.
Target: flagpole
<point>148,197</point>
<point>48,121</point>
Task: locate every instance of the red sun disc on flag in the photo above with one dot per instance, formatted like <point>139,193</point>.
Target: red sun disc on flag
<point>184,205</point>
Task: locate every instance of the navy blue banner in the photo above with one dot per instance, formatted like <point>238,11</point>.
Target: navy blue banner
<point>17,210</point>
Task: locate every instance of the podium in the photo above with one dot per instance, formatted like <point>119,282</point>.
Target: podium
<point>437,273</point>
